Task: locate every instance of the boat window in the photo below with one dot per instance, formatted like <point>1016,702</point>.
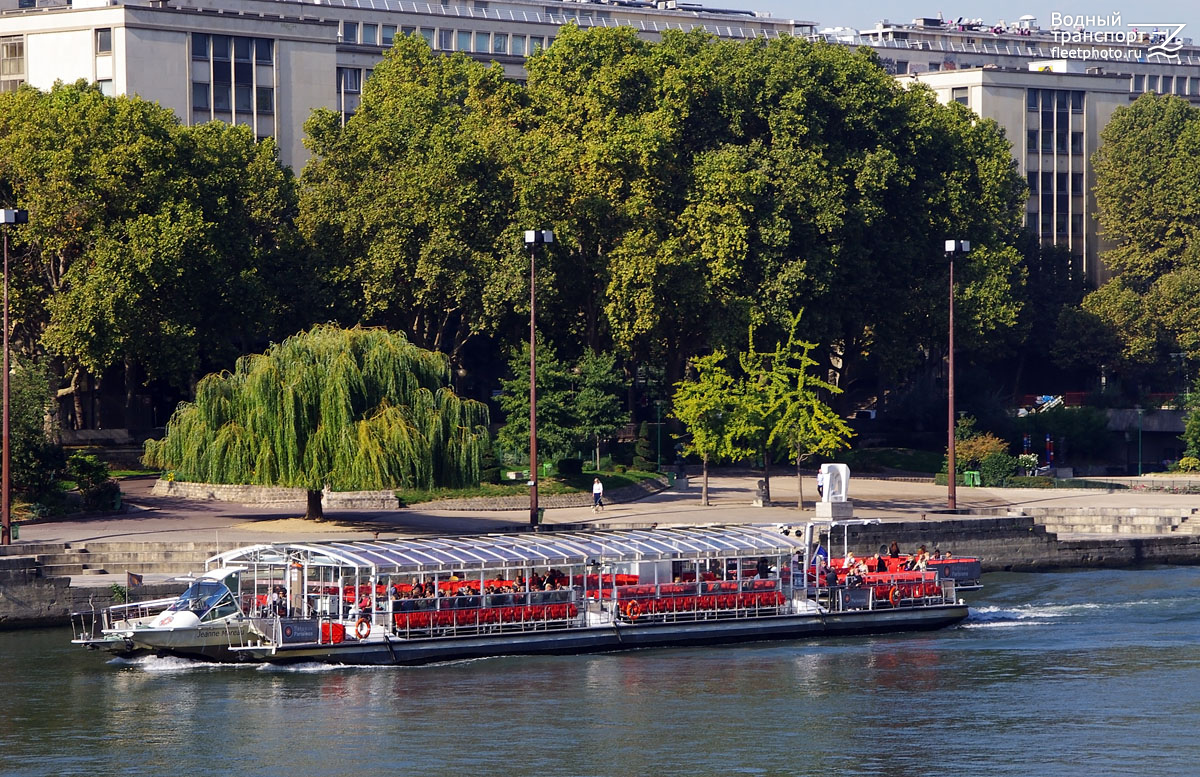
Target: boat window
<point>200,598</point>
<point>224,607</point>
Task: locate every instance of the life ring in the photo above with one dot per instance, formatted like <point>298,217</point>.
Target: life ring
<point>362,629</point>
<point>633,610</point>
<point>894,596</point>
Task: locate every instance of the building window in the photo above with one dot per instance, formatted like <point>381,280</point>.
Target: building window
<point>199,46</point>
<point>104,40</point>
<point>221,103</point>
<point>1151,83</point>
<point>1032,179</point>
<point>12,63</point>
<point>200,97</point>
<point>221,45</point>
<point>959,95</point>
<point>536,42</point>
<point>1076,102</point>
<point>445,40</point>
<point>427,34</point>
<point>106,87</point>
<point>1076,183</point>
<point>265,99</point>
<point>1031,99</point>
<point>387,34</point>
<point>1077,224</point>
<point>518,45</point>
<point>1180,84</point>
<point>369,34</point>
<point>1139,83</point>
<point>1167,83</point>
<point>1031,140</point>
<point>263,54</point>
<point>499,43</point>
<point>462,40</point>
<point>349,80</point>
<point>243,49</point>
<point>243,99</point>
<point>1060,142</point>
<point>483,42</point>
<point>1076,142</point>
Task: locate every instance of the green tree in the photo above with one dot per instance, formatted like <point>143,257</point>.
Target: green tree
<point>411,201</point>
<point>779,409</point>
<point>705,405</point>
<point>596,403</point>
<point>36,458</point>
<point>152,245</point>
<point>343,409</point>
<point>1148,206</point>
<point>556,431</point>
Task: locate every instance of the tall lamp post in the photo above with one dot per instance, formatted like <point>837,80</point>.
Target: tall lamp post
<point>954,248</point>
<point>7,217</point>
<point>658,403</point>
<point>532,238</point>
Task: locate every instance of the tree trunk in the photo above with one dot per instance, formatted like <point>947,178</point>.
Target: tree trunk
<point>704,484</point>
<point>76,396</point>
<point>799,482</point>
<point>130,379</point>
<point>597,453</point>
<point>315,510</point>
<point>766,478</point>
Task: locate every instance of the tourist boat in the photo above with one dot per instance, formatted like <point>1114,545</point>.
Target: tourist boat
<point>413,601</point>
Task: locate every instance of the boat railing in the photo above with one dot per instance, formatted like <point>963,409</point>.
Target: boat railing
<point>454,615</point>
<point>878,591</point>
<point>707,599</point>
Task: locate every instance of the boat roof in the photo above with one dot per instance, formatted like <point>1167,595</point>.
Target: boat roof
<point>514,550</point>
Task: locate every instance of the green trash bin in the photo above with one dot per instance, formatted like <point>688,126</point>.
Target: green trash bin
<point>16,531</point>
<point>971,478</point>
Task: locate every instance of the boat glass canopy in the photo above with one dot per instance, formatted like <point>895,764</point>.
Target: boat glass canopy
<point>515,550</point>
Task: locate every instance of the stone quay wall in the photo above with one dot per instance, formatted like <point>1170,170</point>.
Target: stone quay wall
<point>254,495</point>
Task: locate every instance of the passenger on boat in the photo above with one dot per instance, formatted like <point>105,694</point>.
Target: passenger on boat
<point>880,563</point>
<point>894,550</point>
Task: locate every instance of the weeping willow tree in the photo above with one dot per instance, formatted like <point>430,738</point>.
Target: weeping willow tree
<point>346,409</point>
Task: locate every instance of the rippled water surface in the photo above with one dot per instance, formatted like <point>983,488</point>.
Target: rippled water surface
<point>1081,673</point>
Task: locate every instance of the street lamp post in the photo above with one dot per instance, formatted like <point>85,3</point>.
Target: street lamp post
<point>7,217</point>
<point>532,238</point>
<point>953,248</point>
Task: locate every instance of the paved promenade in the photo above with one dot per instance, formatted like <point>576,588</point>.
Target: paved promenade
<point>170,519</point>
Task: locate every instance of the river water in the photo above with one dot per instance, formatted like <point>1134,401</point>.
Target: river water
<point>1080,673</point>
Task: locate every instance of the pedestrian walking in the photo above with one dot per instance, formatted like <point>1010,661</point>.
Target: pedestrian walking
<point>597,495</point>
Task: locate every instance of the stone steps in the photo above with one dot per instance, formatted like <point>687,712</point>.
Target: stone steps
<point>1118,521</point>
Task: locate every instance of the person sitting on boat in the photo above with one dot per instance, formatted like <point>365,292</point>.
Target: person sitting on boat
<point>894,549</point>
<point>880,563</point>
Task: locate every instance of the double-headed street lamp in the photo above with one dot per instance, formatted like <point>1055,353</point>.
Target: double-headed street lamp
<point>954,248</point>
<point>532,238</point>
<point>7,217</point>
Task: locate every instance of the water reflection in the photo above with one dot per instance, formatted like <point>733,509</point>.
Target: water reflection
<point>1066,673</point>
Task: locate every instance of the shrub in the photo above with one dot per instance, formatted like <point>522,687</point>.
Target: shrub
<point>569,466</point>
<point>996,468</point>
<point>98,490</point>
<point>619,469</point>
<point>1030,481</point>
<point>490,475</point>
<point>1189,464</point>
<point>643,449</point>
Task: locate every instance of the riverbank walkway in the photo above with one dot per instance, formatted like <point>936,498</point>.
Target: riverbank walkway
<point>151,518</point>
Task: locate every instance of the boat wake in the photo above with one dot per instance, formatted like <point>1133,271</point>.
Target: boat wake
<point>168,664</point>
<point>1023,615</point>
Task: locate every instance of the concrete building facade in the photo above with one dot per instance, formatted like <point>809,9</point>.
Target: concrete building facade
<point>1052,113</point>
<point>269,63</point>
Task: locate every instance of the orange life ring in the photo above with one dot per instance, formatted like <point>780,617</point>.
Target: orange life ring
<point>362,629</point>
<point>894,596</point>
<point>633,610</point>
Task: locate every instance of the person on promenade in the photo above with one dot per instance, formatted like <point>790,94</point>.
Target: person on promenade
<point>597,495</point>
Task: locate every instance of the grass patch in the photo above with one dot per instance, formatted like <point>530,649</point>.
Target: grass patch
<point>132,473</point>
<point>571,484</point>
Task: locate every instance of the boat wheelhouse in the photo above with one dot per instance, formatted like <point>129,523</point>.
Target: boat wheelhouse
<point>416,600</point>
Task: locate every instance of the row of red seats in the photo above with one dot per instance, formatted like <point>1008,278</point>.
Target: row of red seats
<point>487,615</point>
<point>707,602</point>
<point>906,590</point>
<point>675,589</point>
<point>595,581</point>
